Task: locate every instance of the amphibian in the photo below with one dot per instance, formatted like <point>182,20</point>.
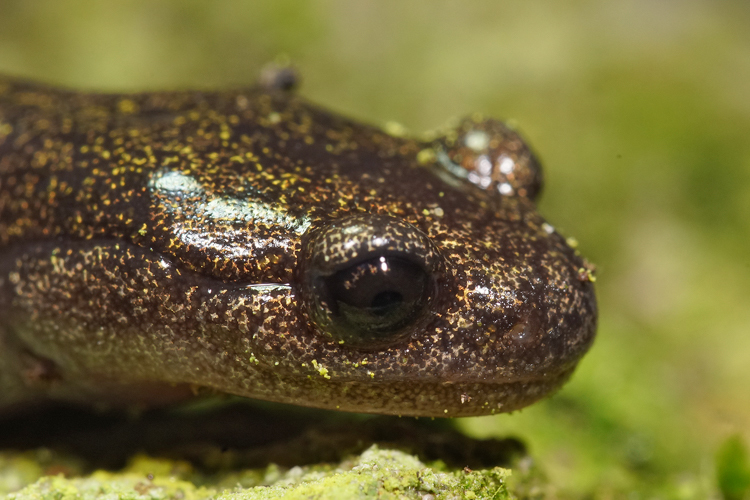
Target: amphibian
<point>157,245</point>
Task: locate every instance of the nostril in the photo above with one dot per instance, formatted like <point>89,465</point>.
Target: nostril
<point>527,330</point>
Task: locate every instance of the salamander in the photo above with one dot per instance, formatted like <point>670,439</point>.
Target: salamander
<point>158,246</point>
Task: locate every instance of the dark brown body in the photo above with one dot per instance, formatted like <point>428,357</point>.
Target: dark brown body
<point>153,244</point>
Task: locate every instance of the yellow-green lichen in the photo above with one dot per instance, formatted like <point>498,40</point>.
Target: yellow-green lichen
<point>322,370</point>
<point>376,473</point>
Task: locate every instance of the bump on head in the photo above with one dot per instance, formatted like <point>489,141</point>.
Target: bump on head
<point>492,156</point>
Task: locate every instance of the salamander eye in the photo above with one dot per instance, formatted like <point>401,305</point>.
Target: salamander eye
<point>369,280</point>
<point>375,299</point>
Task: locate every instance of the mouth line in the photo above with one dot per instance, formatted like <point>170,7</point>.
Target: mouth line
<point>549,377</point>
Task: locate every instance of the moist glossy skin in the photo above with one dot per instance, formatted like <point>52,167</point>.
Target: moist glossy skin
<point>156,246</point>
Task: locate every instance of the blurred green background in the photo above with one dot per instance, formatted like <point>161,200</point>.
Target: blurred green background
<point>640,111</point>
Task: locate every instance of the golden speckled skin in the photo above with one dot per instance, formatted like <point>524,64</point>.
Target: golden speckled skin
<point>154,244</point>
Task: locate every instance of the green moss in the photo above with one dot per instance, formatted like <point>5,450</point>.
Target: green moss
<point>17,471</point>
<point>376,473</point>
<point>733,469</point>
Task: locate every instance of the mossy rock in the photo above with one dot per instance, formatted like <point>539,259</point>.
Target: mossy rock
<point>376,473</point>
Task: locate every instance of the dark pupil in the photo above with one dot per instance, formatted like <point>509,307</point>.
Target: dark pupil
<point>384,302</point>
<point>375,298</point>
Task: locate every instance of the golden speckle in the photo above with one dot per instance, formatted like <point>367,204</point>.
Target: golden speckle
<point>127,106</point>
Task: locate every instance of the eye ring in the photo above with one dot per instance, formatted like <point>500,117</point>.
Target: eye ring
<point>368,280</point>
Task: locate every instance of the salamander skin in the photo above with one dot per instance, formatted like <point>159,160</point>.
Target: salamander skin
<point>157,246</point>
